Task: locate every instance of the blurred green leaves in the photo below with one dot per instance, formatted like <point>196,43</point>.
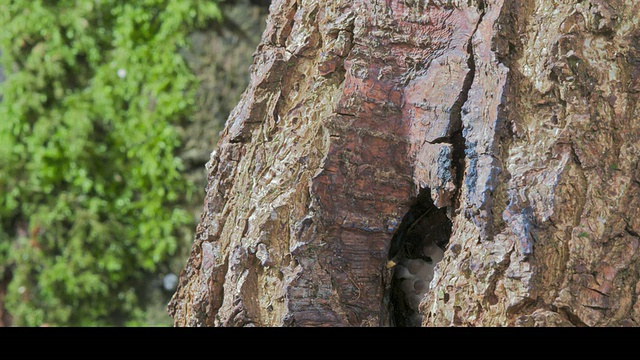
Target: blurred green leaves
<point>91,190</point>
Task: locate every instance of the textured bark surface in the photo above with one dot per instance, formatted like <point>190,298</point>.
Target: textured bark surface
<point>517,119</point>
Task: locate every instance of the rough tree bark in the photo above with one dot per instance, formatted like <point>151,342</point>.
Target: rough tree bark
<point>506,132</point>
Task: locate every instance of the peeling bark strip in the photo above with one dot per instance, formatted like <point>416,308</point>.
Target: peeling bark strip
<point>513,123</point>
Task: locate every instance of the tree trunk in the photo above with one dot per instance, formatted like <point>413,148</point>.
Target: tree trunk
<point>374,133</point>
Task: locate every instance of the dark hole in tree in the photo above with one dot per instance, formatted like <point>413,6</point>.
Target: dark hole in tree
<point>416,247</point>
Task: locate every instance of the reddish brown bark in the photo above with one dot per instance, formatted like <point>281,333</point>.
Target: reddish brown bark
<point>505,132</point>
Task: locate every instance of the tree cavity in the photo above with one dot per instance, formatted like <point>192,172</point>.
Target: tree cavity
<point>417,246</point>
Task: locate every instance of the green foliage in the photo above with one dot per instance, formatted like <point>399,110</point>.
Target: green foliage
<point>91,190</point>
